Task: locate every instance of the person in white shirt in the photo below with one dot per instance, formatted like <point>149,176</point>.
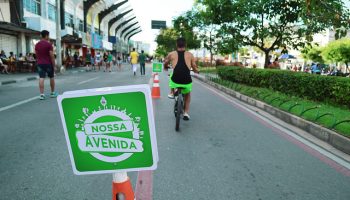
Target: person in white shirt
<point>98,61</point>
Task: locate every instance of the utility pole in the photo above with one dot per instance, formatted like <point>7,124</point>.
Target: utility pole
<point>58,35</point>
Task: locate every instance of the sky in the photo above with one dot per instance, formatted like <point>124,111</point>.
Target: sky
<point>347,3</point>
<point>148,10</point>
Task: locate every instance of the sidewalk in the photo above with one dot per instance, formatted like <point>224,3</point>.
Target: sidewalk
<point>6,79</point>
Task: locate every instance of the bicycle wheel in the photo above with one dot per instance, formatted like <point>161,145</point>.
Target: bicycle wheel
<point>179,111</point>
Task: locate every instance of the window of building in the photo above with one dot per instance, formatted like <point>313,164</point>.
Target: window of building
<point>81,25</point>
<point>51,12</point>
<point>68,18</point>
<point>32,6</point>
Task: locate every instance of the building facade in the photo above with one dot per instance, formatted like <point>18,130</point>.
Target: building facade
<point>85,25</point>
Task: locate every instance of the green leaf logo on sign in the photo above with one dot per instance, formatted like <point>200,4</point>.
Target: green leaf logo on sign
<point>109,130</point>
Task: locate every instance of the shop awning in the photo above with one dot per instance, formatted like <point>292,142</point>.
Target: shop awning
<point>71,39</point>
<point>10,28</point>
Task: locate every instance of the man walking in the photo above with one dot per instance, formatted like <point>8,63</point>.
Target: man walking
<point>142,60</point>
<point>134,60</point>
<point>46,63</point>
<point>119,63</point>
<point>76,57</point>
<point>88,60</point>
<point>109,61</point>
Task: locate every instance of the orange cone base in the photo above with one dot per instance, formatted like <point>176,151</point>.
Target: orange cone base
<point>122,191</point>
<point>155,91</point>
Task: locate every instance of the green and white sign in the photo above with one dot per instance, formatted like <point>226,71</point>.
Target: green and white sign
<point>157,67</point>
<point>109,129</point>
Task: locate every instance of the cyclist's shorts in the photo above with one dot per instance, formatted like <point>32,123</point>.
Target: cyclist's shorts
<point>187,88</point>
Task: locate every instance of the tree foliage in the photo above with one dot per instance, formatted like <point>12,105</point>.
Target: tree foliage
<point>313,53</point>
<point>206,30</point>
<point>166,39</point>
<point>285,22</point>
<point>337,51</point>
<point>161,52</point>
<point>243,51</point>
<point>183,26</point>
<point>330,12</point>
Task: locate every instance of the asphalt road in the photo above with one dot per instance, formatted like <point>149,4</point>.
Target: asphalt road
<point>223,152</point>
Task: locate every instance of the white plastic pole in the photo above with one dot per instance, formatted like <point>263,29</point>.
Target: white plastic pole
<point>120,177</point>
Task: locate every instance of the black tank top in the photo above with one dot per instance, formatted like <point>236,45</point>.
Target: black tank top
<point>181,74</point>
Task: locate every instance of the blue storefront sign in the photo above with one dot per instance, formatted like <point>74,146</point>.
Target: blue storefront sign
<point>96,41</point>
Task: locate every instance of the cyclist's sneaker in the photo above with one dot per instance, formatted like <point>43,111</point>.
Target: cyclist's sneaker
<point>42,97</point>
<point>171,96</point>
<point>53,94</point>
<point>186,116</point>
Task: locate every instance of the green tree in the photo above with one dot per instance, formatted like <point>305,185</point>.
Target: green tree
<point>338,51</point>
<point>313,53</point>
<point>336,14</point>
<point>243,51</point>
<point>207,30</point>
<point>285,22</point>
<point>161,52</point>
<point>184,28</point>
<point>166,41</point>
<point>202,21</point>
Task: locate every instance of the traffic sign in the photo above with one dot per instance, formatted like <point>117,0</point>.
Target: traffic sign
<point>157,67</point>
<point>156,24</point>
<point>109,130</point>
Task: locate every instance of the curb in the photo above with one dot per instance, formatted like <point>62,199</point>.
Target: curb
<point>31,78</point>
<point>19,80</point>
<point>334,139</point>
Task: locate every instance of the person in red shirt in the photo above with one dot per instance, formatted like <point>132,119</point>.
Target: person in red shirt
<point>46,63</point>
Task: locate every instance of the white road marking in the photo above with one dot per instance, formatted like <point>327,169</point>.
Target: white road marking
<point>19,103</point>
<point>86,81</point>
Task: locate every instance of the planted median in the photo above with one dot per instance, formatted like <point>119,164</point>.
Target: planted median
<point>322,100</point>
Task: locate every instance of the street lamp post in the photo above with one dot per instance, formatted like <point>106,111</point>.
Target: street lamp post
<point>58,35</point>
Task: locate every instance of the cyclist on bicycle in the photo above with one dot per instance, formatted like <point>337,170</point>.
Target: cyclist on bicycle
<point>182,62</point>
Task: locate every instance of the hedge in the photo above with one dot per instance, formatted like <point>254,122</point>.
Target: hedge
<point>327,89</point>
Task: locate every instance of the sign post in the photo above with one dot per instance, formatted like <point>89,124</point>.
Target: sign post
<point>109,130</point>
<point>58,35</point>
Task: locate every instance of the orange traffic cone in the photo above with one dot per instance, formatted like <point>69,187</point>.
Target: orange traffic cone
<point>122,189</point>
<point>156,88</point>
